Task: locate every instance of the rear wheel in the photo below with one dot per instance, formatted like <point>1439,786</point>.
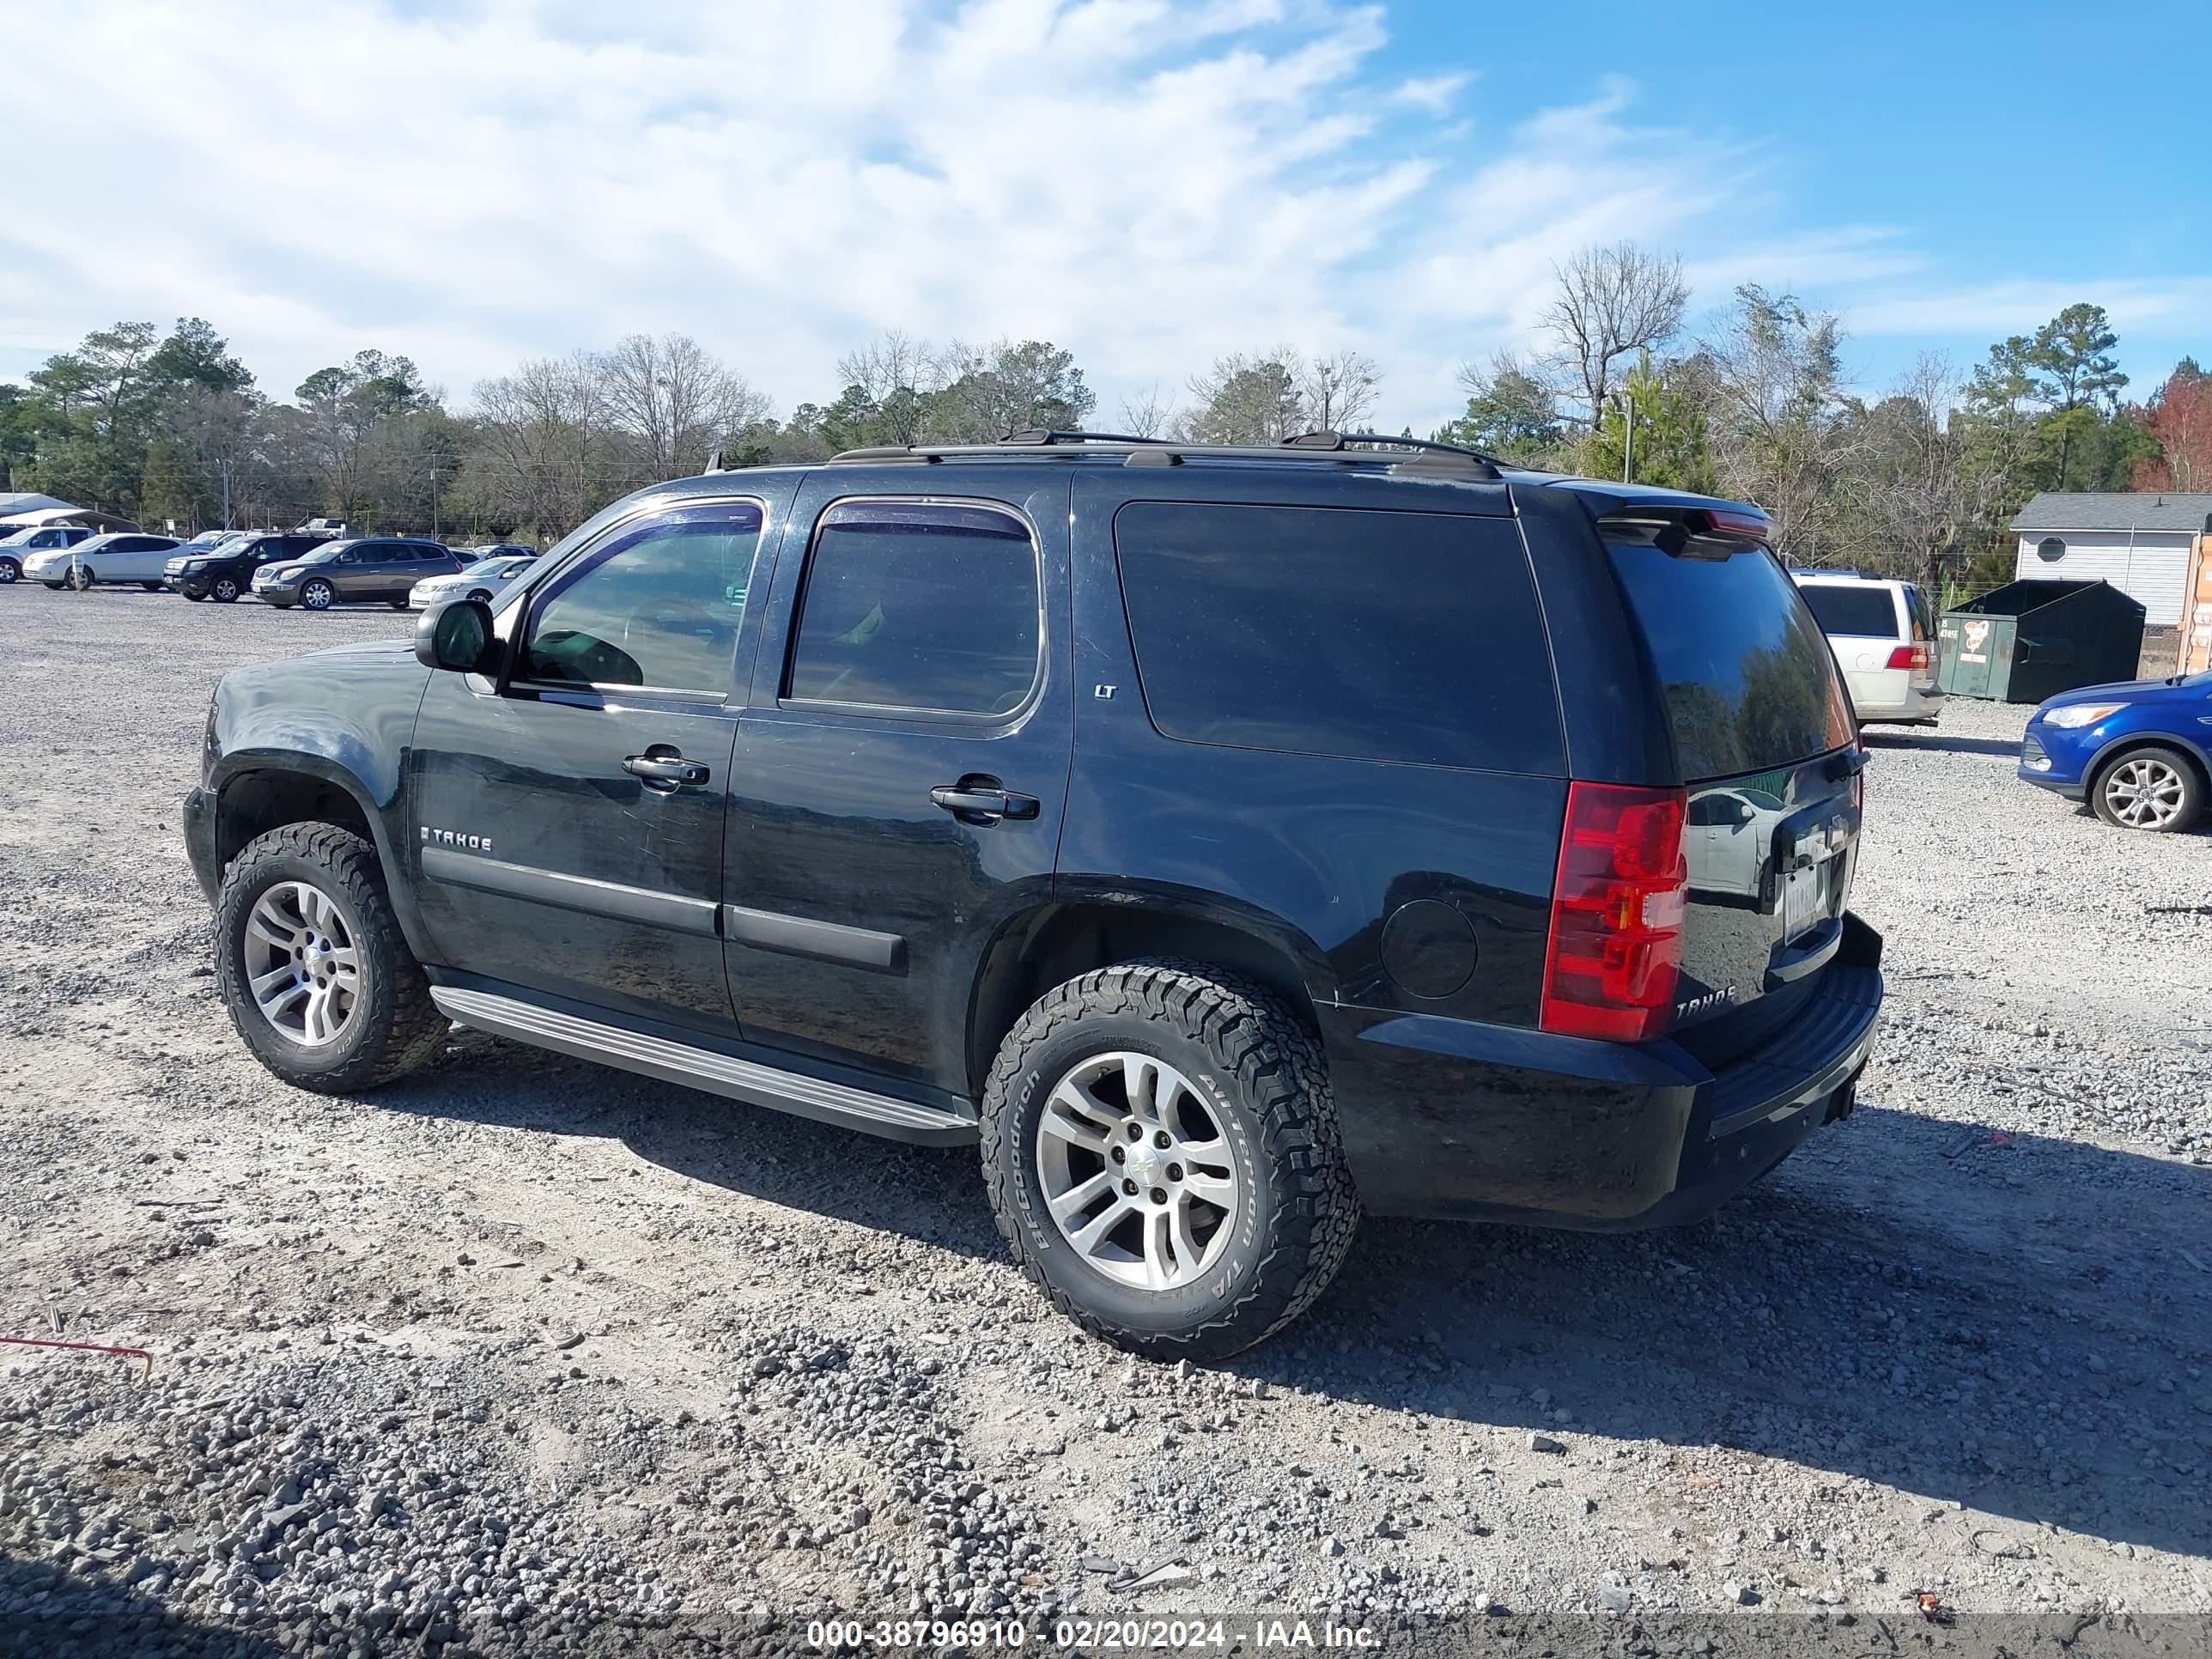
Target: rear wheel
<point>10,571</point>
<point>1163,1155</point>
<point>225,591</point>
<point>57,586</point>
<point>312,964</point>
<point>2153,789</point>
<point>318,595</point>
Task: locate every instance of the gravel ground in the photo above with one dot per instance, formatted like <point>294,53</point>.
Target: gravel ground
<point>530,1356</point>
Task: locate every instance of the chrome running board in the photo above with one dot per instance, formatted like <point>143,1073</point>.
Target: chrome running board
<point>703,1069</point>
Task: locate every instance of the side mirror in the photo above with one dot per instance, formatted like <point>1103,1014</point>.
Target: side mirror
<point>457,636</point>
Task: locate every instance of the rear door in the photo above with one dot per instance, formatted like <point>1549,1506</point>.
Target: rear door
<point>896,791</point>
<point>1764,744</point>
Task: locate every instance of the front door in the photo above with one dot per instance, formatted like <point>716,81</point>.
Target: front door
<point>569,815</point>
<point>896,791</point>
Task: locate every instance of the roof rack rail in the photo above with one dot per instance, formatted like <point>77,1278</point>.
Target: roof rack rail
<point>1433,459</point>
<point>1326,439</point>
<point>1039,438</point>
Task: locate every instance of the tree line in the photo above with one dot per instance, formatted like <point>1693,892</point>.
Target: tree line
<point>1751,403</point>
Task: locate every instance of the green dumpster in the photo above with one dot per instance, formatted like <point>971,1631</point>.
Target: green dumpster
<point>2030,640</point>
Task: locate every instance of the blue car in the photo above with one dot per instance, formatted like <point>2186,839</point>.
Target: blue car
<point>2139,752</point>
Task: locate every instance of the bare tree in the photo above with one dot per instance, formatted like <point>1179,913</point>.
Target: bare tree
<point>1150,416</point>
<point>1907,477</point>
<point>898,374</point>
<point>1777,412</point>
<point>1337,390</point>
<point>541,455</point>
<point>1245,398</point>
<point>677,401</point>
<point>1612,302</point>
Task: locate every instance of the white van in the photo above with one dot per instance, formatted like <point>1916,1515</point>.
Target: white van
<point>1883,633</point>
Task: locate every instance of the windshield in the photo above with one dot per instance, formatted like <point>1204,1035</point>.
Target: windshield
<point>324,554</point>
<point>21,537</point>
<point>1747,676</point>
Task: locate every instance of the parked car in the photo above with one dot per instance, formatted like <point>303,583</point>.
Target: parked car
<point>120,556</point>
<point>16,549</point>
<point>1222,840</point>
<point>223,572</point>
<point>485,579</point>
<point>368,568</point>
<point>2139,752</point>
<point>1883,633</point>
<point>495,550</point>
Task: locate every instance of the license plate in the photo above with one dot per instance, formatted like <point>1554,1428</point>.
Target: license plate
<point>1804,900</point>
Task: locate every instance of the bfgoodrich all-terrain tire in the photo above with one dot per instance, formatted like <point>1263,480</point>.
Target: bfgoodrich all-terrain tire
<point>314,967</point>
<point>1163,1155</point>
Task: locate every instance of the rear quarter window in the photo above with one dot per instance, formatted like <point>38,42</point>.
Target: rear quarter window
<point>1863,613</point>
<point>1370,635</point>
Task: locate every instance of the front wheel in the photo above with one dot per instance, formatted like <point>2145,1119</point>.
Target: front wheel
<point>312,964</point>
<point>482,596</point>
<point>2153,789</point>
<point>225,591</point>
<point>1163,1155</point>
<point>318,595</point>
<point>81,577</point>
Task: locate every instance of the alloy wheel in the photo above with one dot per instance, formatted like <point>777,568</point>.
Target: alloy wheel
<point>1136,1172</point>
<point>317,596</point>
<point>225,589</point>
<point>9,570</point>
<point>301,965</point>
<point>2144,792</point>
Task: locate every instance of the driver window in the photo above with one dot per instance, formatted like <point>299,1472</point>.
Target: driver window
<point>659,606</point>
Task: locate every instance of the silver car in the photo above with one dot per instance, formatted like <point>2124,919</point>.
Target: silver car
<point>485,579</point>
<point>125,556</point>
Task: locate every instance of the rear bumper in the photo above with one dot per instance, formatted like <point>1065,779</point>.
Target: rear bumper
<point>1454,1120</point>
<point>1889,693</point>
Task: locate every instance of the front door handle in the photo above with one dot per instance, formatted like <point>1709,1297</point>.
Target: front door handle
<point>982,800</point>
<point>663,769</point>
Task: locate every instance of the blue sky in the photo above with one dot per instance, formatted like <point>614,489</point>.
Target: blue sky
<point>474,182</point>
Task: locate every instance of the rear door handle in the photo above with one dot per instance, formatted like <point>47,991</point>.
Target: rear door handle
<point>979,800</point>
<point>666,769</point>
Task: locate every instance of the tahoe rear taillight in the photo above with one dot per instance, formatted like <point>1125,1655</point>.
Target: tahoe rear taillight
<point>1617,908</point>
<point>1913,656</point>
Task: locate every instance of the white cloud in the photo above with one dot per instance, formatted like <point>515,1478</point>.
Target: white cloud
<point>1146,182</point>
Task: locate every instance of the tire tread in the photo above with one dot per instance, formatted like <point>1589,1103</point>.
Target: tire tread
<point>1276,1061</point>
<point>415,1031</point>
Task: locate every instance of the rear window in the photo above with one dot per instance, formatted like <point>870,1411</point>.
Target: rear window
<point>1747,676</point>
<point>1866,613</point>
<point>1387,636</point>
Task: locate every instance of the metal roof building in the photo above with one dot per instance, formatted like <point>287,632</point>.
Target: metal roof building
<point>2137,540</point>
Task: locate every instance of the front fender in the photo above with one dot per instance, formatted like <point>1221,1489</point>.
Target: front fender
<point>345,718</point>
<point>2144,736</point>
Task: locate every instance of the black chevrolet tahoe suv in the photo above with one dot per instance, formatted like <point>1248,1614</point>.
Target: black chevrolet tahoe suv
<point>1225,840</point>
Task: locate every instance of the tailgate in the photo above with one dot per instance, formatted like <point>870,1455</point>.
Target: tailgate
<point>1771,855</point>
<point>1764,742</point>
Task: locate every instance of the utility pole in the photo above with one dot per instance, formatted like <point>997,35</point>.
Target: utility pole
<point>435,535</point>
<point>1628,439</point>
<point>223,467</point>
